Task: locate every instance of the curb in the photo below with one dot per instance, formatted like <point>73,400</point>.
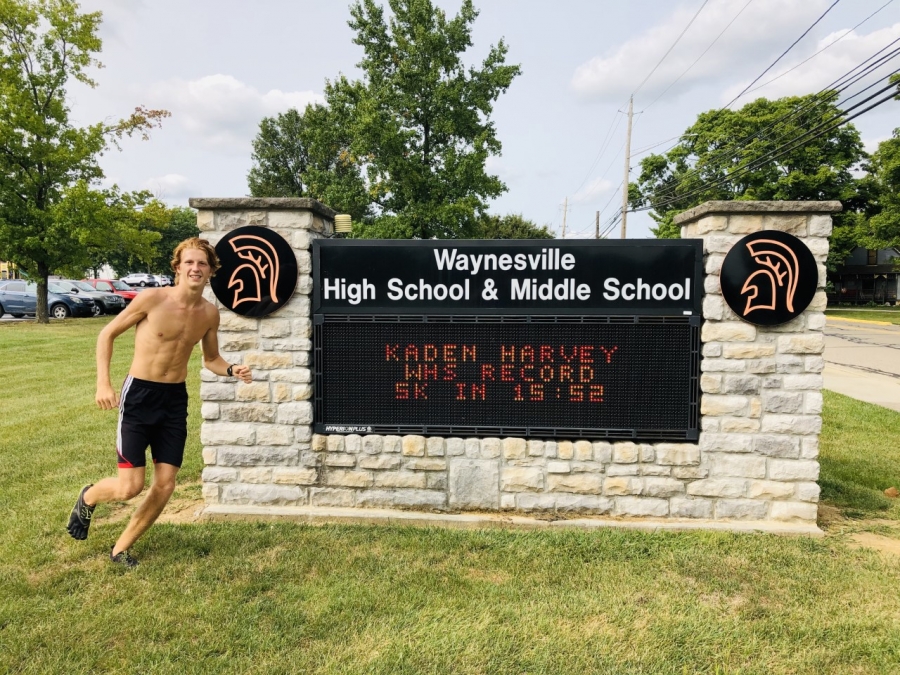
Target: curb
<point>829,317</point>
<point>352,516</point>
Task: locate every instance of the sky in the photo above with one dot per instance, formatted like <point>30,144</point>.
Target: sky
<point>220,66</point>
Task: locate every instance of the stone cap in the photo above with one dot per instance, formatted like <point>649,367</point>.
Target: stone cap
<point>738,206</point>
<point>262,203</point>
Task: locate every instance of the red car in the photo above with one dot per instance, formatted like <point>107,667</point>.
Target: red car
<point>114,286</point>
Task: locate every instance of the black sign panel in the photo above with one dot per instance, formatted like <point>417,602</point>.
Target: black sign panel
<point>258,274</point>
<point>769,278</point>
<point>613,377</point>
<point>543,277</point>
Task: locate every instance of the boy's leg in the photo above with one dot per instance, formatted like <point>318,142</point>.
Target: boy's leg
<point>126,485</point>
<point>157,497</point>
<point>123,487</point>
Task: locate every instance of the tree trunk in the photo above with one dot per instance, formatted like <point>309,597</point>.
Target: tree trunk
<point>43,274</point>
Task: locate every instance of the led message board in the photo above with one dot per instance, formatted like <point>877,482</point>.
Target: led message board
<point>494,359</point>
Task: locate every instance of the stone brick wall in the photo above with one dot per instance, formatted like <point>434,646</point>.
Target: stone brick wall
<point>756,459</point>
<point>761,400</point>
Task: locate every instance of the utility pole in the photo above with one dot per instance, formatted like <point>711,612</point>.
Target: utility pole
<point>597,226</point>
<point>565,211</point>
<point>627,165</point>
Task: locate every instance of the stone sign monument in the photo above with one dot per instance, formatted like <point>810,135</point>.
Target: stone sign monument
<point>753,465</point>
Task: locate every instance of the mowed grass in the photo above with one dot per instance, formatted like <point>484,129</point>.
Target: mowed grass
<point>860,457</point>
<point>888,314</point>
<point>288,598</point>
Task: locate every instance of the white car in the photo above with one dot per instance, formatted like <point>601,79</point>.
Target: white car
<point>139,279</point>
<point>163,280</point>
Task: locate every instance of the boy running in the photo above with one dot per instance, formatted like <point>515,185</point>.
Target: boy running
<point>153,403</point>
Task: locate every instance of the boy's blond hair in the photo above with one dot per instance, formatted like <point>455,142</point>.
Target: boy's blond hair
<point>200,245</point>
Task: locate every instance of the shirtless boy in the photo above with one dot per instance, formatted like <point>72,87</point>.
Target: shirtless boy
<point>153,404</point>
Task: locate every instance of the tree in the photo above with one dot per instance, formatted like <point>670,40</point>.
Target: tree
<point>882,229</point>
<point>881,224</point>
<point>158,228</point>
<point>43,156</point>
<point>512,226</point>
<point>744,143</point>
<point>419,120</point>
<point>105,225</point>
<point>308,155</point>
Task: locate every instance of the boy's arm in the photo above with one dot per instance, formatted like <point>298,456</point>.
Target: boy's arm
<point>213,361</point>
<point>106,397</point>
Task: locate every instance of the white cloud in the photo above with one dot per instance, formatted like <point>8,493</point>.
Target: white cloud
<point>761,32</point>
<point>822,70</point>
<point>223,111</point>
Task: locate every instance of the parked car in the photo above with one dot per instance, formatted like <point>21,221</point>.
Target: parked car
<point>104,303</point>
<point>19,298</point>
<point>164,279</point>
<point>140,279</point>
<point>124,291</point>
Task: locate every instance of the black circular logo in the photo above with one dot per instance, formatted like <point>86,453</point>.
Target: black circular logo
<point>769,277</point>
<point>258,274</point>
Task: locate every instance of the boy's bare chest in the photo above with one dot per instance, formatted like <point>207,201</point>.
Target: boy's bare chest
<point>177,327</point>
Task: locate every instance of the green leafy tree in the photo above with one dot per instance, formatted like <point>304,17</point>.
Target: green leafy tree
<point>420,120</point>
<point>512,226</point>
<point>43,156</point>
<point>742,143</point>
<point>103,226</point>
<point>154,230</point>
<point>882,229</point>
<point>881,225</point>
<point>308,155</point>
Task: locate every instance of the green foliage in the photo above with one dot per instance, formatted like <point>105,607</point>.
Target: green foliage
<point>696,170</point>
<point>308,155</point>
<point>512,226</point>
<point>403,149</point>
<point>155,231</point>
<point>46,163</point>
<point>102,225</point>
<point>881,226</point>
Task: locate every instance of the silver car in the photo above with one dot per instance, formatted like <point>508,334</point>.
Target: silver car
<point>140,279</point>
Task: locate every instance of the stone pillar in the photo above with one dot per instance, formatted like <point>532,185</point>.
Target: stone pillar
<point>761,400</point>
<point>256,437</point>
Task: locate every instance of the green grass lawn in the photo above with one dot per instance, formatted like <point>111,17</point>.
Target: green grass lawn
<point>290,598</point>
<point>888,314</point>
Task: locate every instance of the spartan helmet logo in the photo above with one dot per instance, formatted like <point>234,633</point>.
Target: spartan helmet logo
<point>258,273</point>
<point>774,285</point>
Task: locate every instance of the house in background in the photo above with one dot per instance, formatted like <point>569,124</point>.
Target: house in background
<point>867,275</point>
<point>8,271</point>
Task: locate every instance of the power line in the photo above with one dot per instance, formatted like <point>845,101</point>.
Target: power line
<point>703,54</point>
<point>753,164</point>
<point>816,99</point>
<point>783,54</point>
<point>768,156</point>
<point>830,44</point>
<point>839,85</point>
<point>681,35</point>
<point>606,140</point>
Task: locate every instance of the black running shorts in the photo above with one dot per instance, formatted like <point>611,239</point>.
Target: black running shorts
<point>154,414</point>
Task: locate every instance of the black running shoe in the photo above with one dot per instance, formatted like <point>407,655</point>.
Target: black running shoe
<point>124,558</point>
<point>80,519</point>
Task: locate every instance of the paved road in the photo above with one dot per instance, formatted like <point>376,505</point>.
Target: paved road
<point>862,360</point>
